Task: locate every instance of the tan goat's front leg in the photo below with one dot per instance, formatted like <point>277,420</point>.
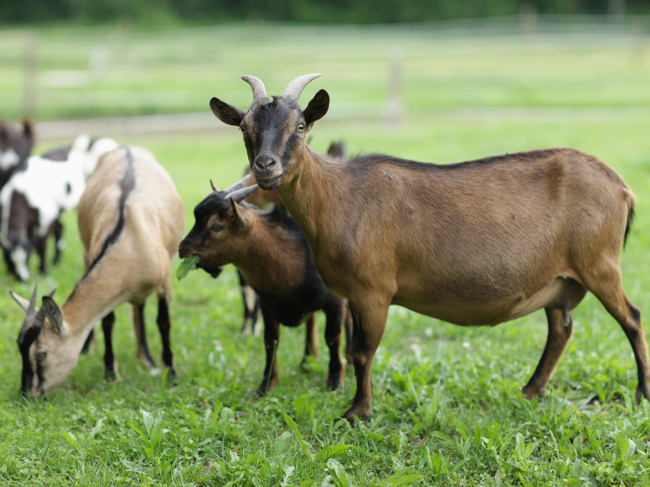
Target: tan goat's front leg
<point>370,314</point>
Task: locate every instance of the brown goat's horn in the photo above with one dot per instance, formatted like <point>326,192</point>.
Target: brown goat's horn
<point>294,89</point>
<point>238,185</point>
<point>241,194</point>
<point>259,91</point>
<point>214,188</point>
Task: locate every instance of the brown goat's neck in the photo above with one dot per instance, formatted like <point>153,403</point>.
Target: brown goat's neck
<point>307,195</point>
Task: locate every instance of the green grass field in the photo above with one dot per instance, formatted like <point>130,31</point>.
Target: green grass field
<point>448,408</point>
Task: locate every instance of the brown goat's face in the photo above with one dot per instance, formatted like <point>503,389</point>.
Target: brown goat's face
<point>218,236</point>
<point>274,134</point>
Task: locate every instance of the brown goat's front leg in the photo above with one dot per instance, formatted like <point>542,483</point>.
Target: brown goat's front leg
<point>141,346</point>
<point>335,315</point>
<point>271,342</point>
<point>311,339</point>
<point>369,323</point>
<point>560,329</point>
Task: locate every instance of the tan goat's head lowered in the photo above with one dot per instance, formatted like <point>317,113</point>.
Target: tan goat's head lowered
<point>41,341</point>
<point>274,130</point>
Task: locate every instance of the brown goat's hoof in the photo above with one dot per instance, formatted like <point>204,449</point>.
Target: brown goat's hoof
<point>266,386</point>
<point>642,391</point>
<point>357,411</point>
<point>335,381</point>
<point>112,377</point>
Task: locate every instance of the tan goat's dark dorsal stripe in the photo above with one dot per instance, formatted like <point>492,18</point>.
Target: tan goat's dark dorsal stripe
<point>127,183</point>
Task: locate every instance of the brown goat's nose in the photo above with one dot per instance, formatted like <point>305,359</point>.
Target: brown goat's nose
<point>264,163</point>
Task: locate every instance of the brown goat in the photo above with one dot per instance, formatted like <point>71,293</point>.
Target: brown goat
<point>473,243</point>
<point>272,254</point>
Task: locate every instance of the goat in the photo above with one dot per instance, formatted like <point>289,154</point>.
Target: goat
<point>131,220</point>
<point>272,254</point>
<point>15,147</point>
<point>33,200</point>
<point>474,243</point>
<point>264,199</point>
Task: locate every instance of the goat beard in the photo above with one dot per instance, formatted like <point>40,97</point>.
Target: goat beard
<point>213,271</point>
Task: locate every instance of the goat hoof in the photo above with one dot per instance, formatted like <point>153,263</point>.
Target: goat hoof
<point>171,376</point>
<point>112,377</point>
<point>335,381</point>
<point>356,411</point>
<point>642,392</point>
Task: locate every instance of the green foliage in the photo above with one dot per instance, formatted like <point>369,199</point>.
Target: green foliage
<point>187,265</point>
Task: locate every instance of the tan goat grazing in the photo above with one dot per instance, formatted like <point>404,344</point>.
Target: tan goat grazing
<point>474,243</point>
<point>131,220</point>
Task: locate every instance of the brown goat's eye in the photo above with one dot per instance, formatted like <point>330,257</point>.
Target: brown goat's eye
<point>216,228</point>
<point>41,356</point>
<point>242,130</point>
<point>300,127</point>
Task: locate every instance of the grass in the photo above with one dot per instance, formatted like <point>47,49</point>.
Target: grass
<point>447,407</point>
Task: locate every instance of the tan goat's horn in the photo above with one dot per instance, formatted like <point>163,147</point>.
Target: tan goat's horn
<point>294,89</point>
<point>31,311</point>
<point>259,91</point>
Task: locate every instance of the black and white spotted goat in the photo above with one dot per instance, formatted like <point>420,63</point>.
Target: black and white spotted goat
<point>34,198</point>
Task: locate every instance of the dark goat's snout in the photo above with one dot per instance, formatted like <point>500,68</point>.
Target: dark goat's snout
<point>184,248</point>
<point>265,163</point>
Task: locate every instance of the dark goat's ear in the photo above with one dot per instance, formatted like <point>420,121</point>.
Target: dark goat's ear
<point>228,114</point>
<point>53,313</point>
<point>317,107</point>
<point>241,217</point>
<point>28,129</point>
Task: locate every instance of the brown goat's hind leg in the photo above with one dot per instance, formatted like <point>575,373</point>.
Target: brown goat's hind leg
<point>271,342</point>
<point>369,324</point>
<point>311,339</point>
<point>141,346</point>
<point>609,290</point>
<point>560,329</point>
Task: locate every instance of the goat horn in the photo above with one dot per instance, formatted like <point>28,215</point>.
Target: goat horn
<point>31,311</point>
<point>294,89</point>
<point>259,91</point>
<point>214,188</point>
<point>238,185</point>
<point>241,194</point>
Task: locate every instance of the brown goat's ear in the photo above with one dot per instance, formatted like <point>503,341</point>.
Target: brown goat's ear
<point>317,107</point>
<point>28,129</point>
<point>228,114</point>
<point>241,217</point>
<point>53,313</point>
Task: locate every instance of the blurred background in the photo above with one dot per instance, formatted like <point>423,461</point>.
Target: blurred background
<point>145,66</point>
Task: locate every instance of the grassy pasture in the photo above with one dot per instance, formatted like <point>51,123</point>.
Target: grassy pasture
<point>447,408</point>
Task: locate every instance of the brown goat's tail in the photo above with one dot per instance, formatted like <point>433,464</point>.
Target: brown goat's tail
<point>628,225</point>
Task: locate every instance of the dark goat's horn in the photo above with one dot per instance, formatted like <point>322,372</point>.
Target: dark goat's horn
<point>259,91</point>
<point>238,185</point>
<point>241,194</point>
<point>214,188</point>
<point>294,89</point>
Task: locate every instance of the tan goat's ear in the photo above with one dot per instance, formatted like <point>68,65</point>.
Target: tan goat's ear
<point>242,218</point>
<point>53,313</point>
<point>22,302</point>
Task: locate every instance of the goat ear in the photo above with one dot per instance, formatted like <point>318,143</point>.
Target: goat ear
<point>22,302</point>
<point>317,107</point>
<point>28,129</point>
<point>228,114</point>
<point>241,217</point>
<point>53,313</point>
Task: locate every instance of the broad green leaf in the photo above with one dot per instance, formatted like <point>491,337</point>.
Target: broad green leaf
<point>188,264</point>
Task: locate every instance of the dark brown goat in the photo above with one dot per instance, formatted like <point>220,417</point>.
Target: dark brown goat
<point>264,199</point>
<point>273,255</point>
<point>474,243</point>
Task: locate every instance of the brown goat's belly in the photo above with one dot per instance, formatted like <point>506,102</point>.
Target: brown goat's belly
<point>489,313</point>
